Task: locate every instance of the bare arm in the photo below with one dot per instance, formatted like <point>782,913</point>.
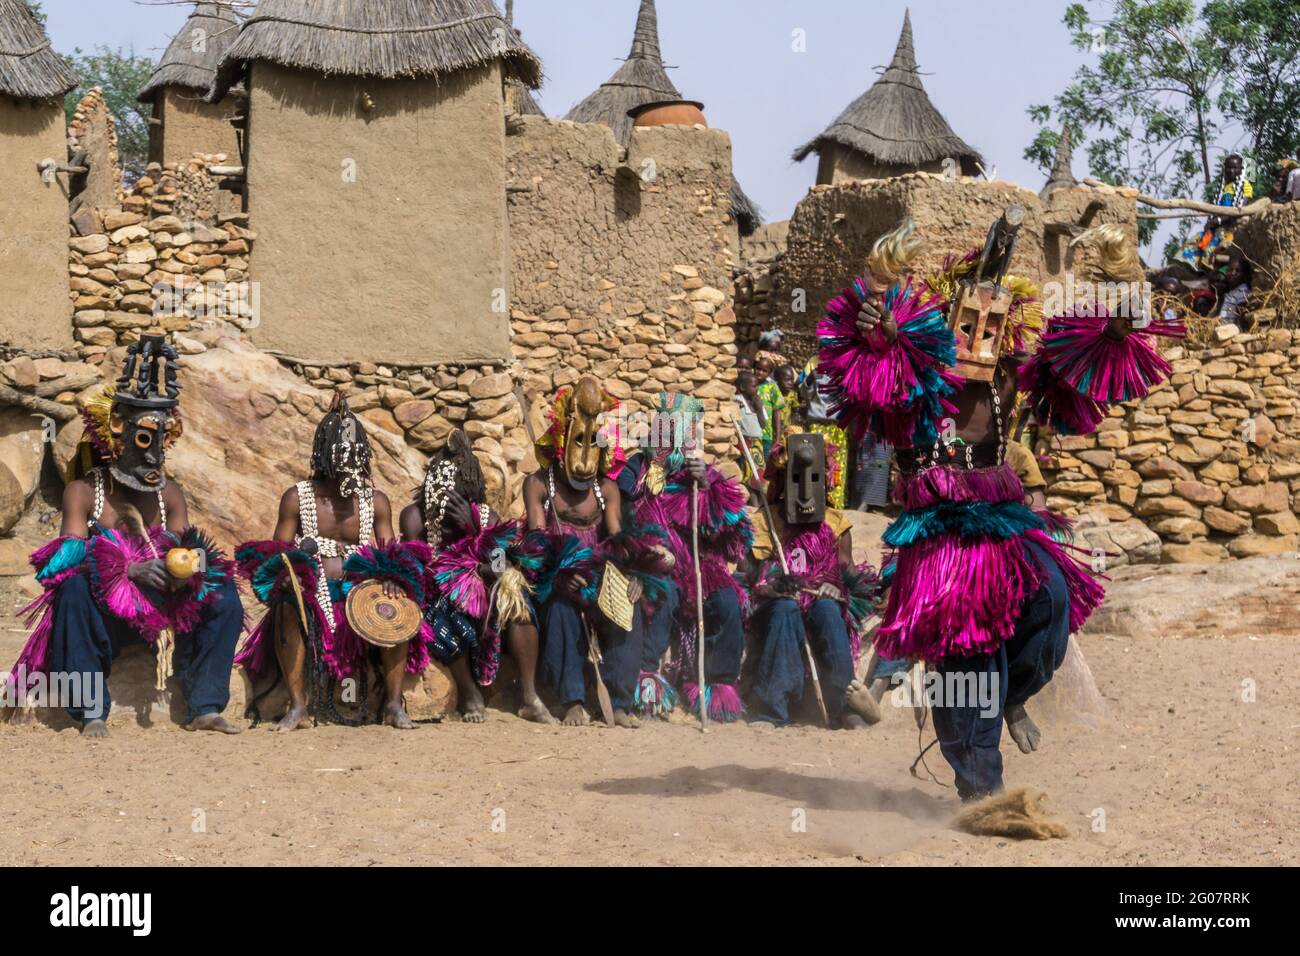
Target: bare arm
<point>286,525</point>
<point>534,503</point>
<point>383,519</point>
<point>846,549</point>
<point>178,512</point>
<point>77,502</point>
<point>412,523</point>
<point>613,505</point>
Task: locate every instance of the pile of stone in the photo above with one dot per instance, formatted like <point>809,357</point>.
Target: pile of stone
<point>421,406</point>
<point>689,346</point>
<point>131,271</point>
<point>1210,460</point>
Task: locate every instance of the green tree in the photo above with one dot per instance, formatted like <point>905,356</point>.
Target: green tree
<point>1258,45</point>
<point>37,12</point>
<point>121,74</point>
<point>1145,112</point>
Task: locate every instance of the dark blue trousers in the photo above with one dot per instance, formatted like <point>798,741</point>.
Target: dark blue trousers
<point>968,734</point>
<point>85,642</point>
<point>659,630</point>
<point>724,631</point>
<point>780,679</point>
<point>564,654</point>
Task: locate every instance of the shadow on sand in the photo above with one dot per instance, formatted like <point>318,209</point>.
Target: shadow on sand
<point>822,793</point>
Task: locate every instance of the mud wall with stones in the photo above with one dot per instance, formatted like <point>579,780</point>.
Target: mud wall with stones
<point>1210,460</point>
<point>834,227</point>
<point>621,262</point>
<point>1270,241</point>
<point>92,139</point>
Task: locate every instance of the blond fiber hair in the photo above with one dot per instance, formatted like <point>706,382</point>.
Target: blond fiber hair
<point>893,253</point>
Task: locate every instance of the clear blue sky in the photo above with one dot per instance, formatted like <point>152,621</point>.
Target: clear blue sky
<point>983,64</point>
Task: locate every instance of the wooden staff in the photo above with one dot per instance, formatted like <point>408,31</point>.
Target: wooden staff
<point>166,644</point>
<point>785,566</point>
<point>593,655</point>
<point>297,592</point>
<point>699,603</point>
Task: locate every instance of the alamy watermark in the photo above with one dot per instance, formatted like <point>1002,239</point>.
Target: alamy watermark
<point>651,431</point>
<point>1130,300</point>
<point>41,689</point>
<point>237,302</point>
<point>951,689</point>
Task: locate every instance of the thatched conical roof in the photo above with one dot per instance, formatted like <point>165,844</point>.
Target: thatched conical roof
<point>379,38</point>
<point>641,80</point>
<point>894,123</point>
<point>191,59</point>
<point>29,69</point>
<point>1062,176</point>
<point>519,97</point>
<point>744,210</point>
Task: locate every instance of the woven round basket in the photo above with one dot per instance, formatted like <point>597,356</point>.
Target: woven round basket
<point>381,620</point>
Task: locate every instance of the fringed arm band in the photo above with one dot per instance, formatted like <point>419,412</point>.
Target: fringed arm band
<point>897,389</point>
<point>459,568</point>
<point>264,565</point>
<point>403,563</point>
<point>1079,370</point>
<point>642,552</point>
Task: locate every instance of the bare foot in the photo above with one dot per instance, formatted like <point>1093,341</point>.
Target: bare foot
<point>214,722</point>
<point>853,721</point>
<point>1023,730</point>
<point>576,716</point>
<point>94,728</point>
<point>762,724</point>
<point>623,719</point>
<point>536,711</point>
<point>295,719</point>
<point>862,703</point>
<point>473,710</point>
<point>395,716</point>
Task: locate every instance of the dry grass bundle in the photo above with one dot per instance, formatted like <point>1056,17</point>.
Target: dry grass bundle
<point>1020,814</point>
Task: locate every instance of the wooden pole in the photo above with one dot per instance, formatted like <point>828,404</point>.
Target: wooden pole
<point>1225,212</point>
<point>699,604</point>
<point>60,413</point>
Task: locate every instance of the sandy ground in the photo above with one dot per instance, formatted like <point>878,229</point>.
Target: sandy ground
<point>1184,770</point>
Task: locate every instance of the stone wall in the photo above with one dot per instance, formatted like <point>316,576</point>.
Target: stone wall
<point>92,137</point>
<point>141,267</point>
<point>621,262</point>
<point>1210,460</point>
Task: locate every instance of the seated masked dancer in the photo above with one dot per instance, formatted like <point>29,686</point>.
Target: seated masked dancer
<point>574,530</point>
<point>481,590</point>
<point>982,592</point>
<point>812,601</point>
<point>657,484</point>
<point>334,533</point>
<point>128,568</point>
